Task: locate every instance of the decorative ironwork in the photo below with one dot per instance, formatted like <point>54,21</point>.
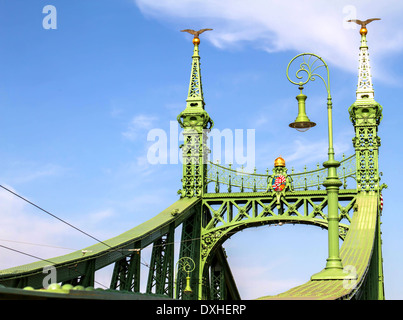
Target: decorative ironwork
<point>309,65</point>
<point>190,248</point>
<point>126,273</point>
<point>364,79</point>
<point>208,219</point>
<point>367,145</point>
<point>195,87</point>
<point>160,276</point>
<point>235,212</point>
<point>186,265</point>
<point>196,124</point>
<point>366,115</point>
<point>227,179</point>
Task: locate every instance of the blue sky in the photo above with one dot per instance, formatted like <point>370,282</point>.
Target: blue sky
<point>77,103</point>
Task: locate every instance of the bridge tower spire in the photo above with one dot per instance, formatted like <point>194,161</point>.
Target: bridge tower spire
<point>364,88</point>
<point>196,124</point>
<point>366,115</point>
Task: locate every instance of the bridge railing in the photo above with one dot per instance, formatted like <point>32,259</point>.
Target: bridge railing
<point>221,179</point>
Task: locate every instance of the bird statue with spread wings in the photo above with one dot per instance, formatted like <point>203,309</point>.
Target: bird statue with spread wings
<point>363,24</point>
<point>196,34</point>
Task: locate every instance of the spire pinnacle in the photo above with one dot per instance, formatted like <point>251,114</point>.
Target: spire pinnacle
<point>365,89</point>
<point>195,94</point>
<point>195,100</point>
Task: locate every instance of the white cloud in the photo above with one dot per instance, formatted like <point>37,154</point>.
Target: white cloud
<point>100,216</point>
<point>303,152</point>
<point>45,171</point>
<point>256,281</point>
<point>37,235</point>
<point>139,124</point>
<point>27,172</point>
<point>21,223</point>
<point>310,26</point>
<point>308,152</point>
<point>139,167</point>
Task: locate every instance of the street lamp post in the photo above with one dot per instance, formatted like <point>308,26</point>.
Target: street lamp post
<point>309,66</point>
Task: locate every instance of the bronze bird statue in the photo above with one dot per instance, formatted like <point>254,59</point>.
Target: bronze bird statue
<point>196,34</point>
<point>363,24</point>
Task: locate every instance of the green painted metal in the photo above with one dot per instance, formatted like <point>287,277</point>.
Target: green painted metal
<point>187,266</point>
<point>222,179</point>
<point>366,115</point>
<point>86,277</point>
<point>361,249</point>
<point>196,124</point>
<point>233,212</point>
<point>356,253</point>
<point>190,248</point>
<point>68,292</point>
<point>161,273</point>
<point>310,65</point>
<point>126,273</point>
<point>217,285</point>
<point>216,202</point>
<point>74,265</point>
<point>302,122</point>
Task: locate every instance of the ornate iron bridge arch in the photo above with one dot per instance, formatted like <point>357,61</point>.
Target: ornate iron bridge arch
<point>299,199</point>
<point>212,238</point>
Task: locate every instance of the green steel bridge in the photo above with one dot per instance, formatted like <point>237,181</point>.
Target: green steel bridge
<point>217,201</point>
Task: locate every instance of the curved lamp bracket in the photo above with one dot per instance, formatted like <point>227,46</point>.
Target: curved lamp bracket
<point>308,70</point>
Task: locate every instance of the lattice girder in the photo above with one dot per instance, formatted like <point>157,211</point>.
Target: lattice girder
<point>126,273</point>
<point>235,212</point>
<point>161,273</point>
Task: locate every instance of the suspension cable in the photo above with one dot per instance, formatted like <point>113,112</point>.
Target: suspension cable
<point>27,254</point>
<point>32,256</point>
<point>33,204</point>
<point>38,244</point>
